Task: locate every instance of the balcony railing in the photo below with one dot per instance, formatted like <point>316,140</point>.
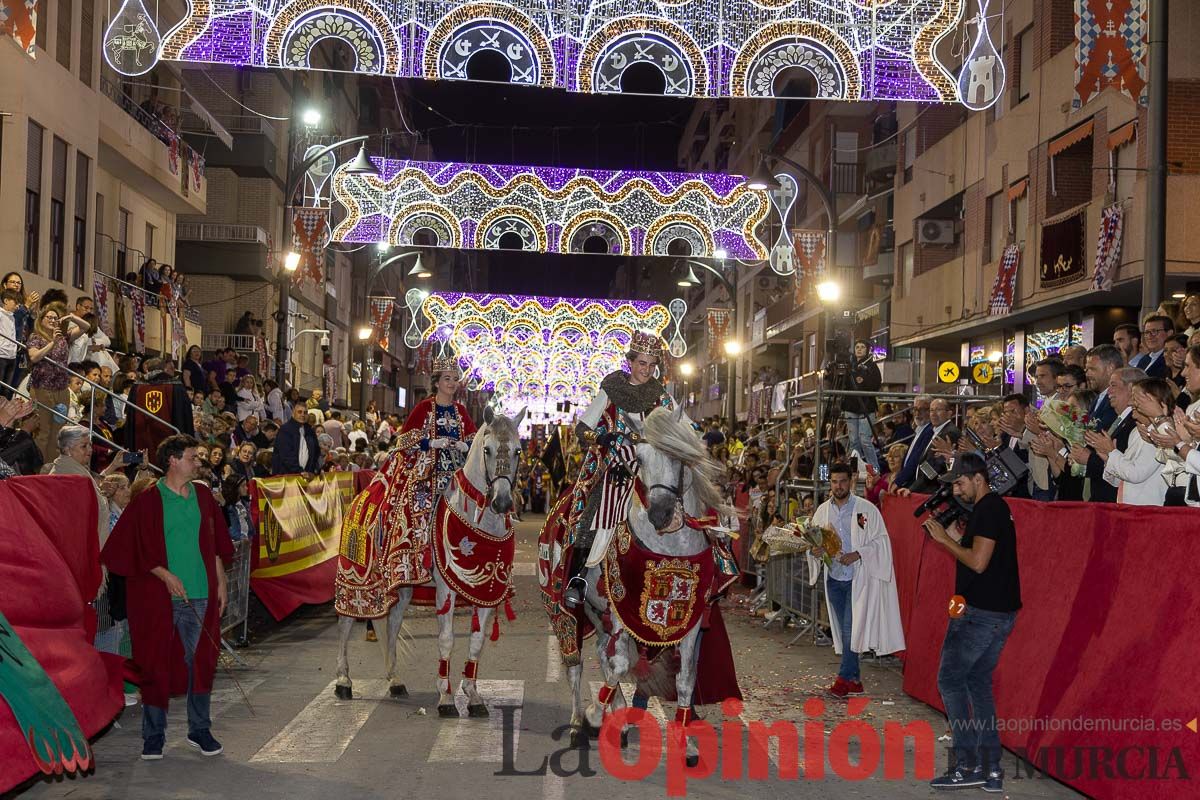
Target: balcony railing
<point>219,232</point>
<point>156,125</point>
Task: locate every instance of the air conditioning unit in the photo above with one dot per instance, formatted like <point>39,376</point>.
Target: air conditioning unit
<point>935,231</point>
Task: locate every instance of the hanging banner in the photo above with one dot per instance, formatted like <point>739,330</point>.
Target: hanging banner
<point>1108,247</point>
<point>424,358</point>
<point>310,235</point>
<point>1062,252</point>
<point>719,320</point>
<point>197,169</point>
<point>298,527</point>
<point>1005,286</point>
<point>19,19</point>
<point>139,321</point>
<point>1110,49</point>
<point>381,318</point>
<point>100,295</point>
<point>329,382</point>
<point>810,253</point>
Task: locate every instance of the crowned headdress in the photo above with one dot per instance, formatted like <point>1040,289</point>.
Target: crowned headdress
<point>445,364</point>
<point>647,343</point>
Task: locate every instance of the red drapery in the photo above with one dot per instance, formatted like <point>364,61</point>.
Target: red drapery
<point>49,570</point>
<point>1106,633</point>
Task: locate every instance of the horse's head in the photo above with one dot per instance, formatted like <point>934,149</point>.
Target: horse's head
<point>672,462</point>
<point>499,442</point>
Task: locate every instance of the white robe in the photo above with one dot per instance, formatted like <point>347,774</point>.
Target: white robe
<point>875,605</point>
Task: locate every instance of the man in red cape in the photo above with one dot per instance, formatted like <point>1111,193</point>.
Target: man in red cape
<point>174,620</point>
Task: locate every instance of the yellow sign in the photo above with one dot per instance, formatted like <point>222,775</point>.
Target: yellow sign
<point>947,372</point>
<point>983,372</point>
<point>154,401</point>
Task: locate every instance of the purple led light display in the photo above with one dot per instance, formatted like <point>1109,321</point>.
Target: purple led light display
<point>855,49</point>
<point>551,209</point>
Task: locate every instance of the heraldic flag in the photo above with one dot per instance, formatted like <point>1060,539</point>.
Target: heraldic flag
<point>168,402</point>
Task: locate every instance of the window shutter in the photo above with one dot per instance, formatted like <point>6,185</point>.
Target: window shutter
<point>33,155</point>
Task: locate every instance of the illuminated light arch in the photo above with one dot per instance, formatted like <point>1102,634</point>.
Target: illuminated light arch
<point>810,46</point>
<point>467,30</point>
<point>430,216</point>
<point>543,350</point>
<point>641,39</point>
<point>679,226</point>
<point>925,45</point>
<point>607,226</point>
<point>188,30</point>
<point>362,19</point>
<point>554,202</point>
<point>511,219</point>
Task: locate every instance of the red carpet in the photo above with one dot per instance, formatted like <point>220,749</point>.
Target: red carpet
<point>49,569</point>
<point>1106,639</point>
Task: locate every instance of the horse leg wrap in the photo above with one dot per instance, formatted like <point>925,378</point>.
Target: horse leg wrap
<point>604,696</point>
<point>471,670</point>
<point>444,669</point>
<point>684,716</point>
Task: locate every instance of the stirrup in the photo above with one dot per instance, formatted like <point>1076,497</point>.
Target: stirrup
<point>576,584</point>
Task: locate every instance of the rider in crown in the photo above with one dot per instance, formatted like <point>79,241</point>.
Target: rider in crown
<point>601,496</point>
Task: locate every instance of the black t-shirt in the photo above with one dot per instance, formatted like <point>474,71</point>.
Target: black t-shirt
<point>997,588</point>
<point>714,438</point>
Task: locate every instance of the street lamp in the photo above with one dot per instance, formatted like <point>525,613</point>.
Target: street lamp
<point>364,333</point>
<point>418,271</point>
<point>686,369</point>
<point>689,280</point>
<point>733,347</point>
<point>311,117</point>
<point>829,291</point>
<point>360,166</point>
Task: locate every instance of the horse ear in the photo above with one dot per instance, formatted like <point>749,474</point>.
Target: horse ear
<point>679,413</point>
<point>488,415</point>
<point>517,420</point>
<point>631,423</point>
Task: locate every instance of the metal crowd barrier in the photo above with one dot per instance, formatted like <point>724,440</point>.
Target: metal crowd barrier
<point>787,587</point>
<point>237,608</point>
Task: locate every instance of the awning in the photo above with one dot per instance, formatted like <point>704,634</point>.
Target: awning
<point>1070,138</point>
<point>1017,190</point>
<point>1122,135</point>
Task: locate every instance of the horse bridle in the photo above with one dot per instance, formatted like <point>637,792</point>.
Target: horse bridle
<point>502,470</point>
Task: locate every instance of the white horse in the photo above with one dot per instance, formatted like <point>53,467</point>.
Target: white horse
<point>679,476</point>
<point>490,468</point>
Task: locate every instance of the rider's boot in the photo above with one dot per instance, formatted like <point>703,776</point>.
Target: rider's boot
<point>576,587</point>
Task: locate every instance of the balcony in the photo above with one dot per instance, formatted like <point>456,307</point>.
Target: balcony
<point>881,162</point>
<point>239,251</point>
<point>144,152</point>
<point>255,150</point>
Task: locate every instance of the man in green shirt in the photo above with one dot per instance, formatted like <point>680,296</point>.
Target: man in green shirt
<point>171,543</point>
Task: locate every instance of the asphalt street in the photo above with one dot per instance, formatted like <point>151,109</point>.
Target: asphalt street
<point>301,743</point>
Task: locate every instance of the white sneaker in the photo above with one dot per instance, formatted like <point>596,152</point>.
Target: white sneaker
<point>131,699</point>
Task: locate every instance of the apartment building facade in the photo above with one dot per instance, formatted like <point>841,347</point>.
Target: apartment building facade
<point>1037,172</point>
<point>90,183</point>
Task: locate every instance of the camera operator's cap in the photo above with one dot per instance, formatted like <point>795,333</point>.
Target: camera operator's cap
<point>965,464</point>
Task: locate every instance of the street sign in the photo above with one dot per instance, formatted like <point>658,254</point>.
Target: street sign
<point>947,372</point>
<point>983,372</point>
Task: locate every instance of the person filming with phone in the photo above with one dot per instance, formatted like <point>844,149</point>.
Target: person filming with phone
<point>989,585</point>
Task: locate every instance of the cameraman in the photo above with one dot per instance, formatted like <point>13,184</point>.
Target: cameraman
<point>859,412</point>
<point>987,579</point>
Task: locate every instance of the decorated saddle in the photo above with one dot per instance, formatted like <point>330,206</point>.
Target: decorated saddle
<point>386,534</point>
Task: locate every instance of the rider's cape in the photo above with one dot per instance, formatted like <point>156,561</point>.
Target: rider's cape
<point>386,531</point>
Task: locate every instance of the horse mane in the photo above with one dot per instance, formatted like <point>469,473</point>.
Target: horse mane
<point>677,439</point>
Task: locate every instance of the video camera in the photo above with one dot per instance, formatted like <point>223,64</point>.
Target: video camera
<point>1005,470</point>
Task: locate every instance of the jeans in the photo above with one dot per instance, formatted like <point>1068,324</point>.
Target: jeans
<point>1044,495</point>
<point>10,368</point>
<point>841,600</point>
<point>859,433</point>
<point>970,653</point>
<point>188,628</point>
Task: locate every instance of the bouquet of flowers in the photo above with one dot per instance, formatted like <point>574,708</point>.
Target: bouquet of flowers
<point>803,536</point>
<point>1065,421</point>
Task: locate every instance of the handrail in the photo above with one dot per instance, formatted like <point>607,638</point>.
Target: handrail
<point>91,431</point>
<point>152,123</point>
<point>188,311</point>
<point>93,384</point>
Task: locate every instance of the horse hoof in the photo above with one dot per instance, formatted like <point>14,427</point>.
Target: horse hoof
<point>448,710</point>
<point>578,738</point>
<point>624,739</point>
<point>591,732</point>
<point>343,692</point>
<point>693,760</point>
<point>478,710</point>
<point>398,691</point>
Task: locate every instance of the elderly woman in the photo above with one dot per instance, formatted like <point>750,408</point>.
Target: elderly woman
<point>75,458</point>
<point>241,462</point>
<point>886,484</point>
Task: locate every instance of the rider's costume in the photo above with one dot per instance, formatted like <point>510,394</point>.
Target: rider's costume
<point>386,531</point>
